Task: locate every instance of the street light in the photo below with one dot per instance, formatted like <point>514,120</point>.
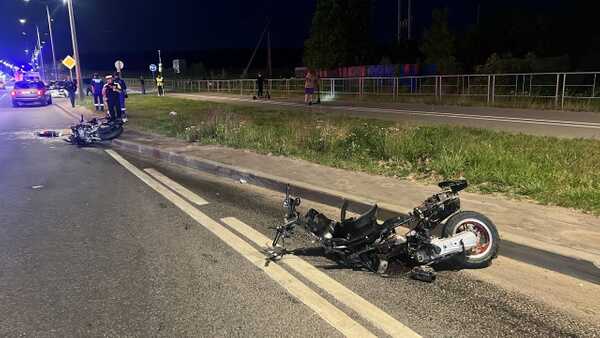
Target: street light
<point>22,21</point>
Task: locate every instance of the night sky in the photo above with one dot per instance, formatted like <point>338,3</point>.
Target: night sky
<point>147,25</point>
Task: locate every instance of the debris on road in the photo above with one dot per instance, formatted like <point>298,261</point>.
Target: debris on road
<point>243,181</point>
<point>37,187</point>
<point>49,133</point>
<point>173,113</point>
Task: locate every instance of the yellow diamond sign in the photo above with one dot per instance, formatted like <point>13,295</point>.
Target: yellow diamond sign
<point>69,62</point>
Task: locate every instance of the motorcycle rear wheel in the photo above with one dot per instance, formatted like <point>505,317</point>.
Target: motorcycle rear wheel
<point>489,240</point>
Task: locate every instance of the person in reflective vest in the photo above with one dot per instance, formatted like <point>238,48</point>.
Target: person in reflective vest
<point>160,85</point>
<point>122,96</point>
<point>112,96</point>
<point>97,85</point>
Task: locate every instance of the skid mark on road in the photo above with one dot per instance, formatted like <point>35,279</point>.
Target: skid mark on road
<point>365,309</point>
<point>178,188</point>
<point>331,314</point>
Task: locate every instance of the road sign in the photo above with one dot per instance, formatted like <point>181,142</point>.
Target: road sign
<point>69,62</point>
<point>119,65</point>
<point>153,68</point>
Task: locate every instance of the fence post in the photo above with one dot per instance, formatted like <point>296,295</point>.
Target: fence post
<point>562,103</point>
<point>556,92</point>
<point>241,87</point>
<point>530,84</point>
<point>493,88</point>
<point>332,88</point>
<point>489,88</point>
<point>594,86</point>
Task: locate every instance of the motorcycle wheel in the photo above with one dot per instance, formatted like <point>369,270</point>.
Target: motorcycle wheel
<point>108,132</point>
<point>489,240</point>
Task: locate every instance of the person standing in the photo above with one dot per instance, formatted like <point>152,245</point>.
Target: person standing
<point>122,95</point>
<point>97,85</point>
<point>143,85</point>
<point>309,87</point>
<point>260,85</point>
<point>71,88</point>
<point>112,96</point>
<point>160,85</point>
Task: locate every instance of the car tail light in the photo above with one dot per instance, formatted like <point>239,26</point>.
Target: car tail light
<point>13,93</point>
<point>40,92</point>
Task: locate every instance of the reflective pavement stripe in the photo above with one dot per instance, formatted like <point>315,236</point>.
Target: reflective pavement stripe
<point>332,315</point>
<point>178,188</point>
<point>370,312</point>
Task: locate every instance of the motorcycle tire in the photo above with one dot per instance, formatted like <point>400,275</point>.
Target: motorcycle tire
<point>110,132</point>
<point>482,255</point>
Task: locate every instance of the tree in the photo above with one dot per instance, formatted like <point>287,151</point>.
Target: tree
<point>339,34</point>
<point>439,43</point>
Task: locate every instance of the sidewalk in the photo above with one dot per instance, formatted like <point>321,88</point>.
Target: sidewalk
<point>556,230</point>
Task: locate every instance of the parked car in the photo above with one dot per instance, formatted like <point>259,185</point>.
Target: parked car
<point>28,92</point>
<point>57,89</point>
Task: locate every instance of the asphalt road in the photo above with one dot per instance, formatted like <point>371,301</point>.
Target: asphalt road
<point>527,121</point>
<point>94,247</point>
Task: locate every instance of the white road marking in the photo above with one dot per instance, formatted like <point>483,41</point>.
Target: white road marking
<point>370,312</point>
<point>332,315</point>
<point>178,188</point>
<point>506,119</point>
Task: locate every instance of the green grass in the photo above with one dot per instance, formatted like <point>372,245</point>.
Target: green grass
<point>549,170</point>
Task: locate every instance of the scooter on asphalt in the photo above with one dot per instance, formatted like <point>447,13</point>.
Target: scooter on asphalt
<point>468,239</point>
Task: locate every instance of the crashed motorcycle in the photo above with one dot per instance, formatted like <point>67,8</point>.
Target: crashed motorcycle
<point>95,130</point>
<point>467,239</point>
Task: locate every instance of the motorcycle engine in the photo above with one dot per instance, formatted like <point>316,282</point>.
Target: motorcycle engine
<point>441,247</point>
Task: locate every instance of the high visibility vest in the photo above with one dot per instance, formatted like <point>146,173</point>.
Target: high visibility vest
<point>159,81</point>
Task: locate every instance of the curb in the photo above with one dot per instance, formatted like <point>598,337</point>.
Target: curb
<point>532,252</point>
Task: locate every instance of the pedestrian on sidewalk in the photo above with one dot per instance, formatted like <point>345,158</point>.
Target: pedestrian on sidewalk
<point>143,85</point>
<point>71,88</point>
<point>309,87</point>
<point>97,85</point>
<point>160,85</point>
<point>122,95</point>
<point>112,97</point>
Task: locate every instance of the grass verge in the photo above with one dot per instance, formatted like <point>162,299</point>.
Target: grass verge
<point>549,170</point>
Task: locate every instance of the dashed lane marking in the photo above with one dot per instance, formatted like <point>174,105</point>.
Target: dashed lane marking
<point>328,312</point>
<point>364,308</point>
<point>178,188</point>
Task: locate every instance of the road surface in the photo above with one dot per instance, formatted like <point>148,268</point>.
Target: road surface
<point>91,244</point>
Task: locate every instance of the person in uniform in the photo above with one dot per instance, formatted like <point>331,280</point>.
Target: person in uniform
<point>160,85</point>
<point>122,96</point>
<point>97,85</point>
<point>112,96</point>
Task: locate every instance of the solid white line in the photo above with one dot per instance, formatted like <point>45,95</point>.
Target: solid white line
<point>332,315</point>
<point>178,188</point>
<point>370,312</point>
<point>505,119</point>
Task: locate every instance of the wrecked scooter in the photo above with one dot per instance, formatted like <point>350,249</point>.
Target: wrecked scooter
<point>468,239</point>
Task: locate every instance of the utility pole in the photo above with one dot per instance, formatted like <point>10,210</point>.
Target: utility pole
<point>399,28</point>
<point>41,56</point>
<point>52,43</point>
<point>409,19</point>
<point>75,49</point>
<point>159,63</point>
<point>269,64</point>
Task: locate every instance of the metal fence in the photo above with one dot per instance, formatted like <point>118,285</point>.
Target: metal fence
<point>556,89</point>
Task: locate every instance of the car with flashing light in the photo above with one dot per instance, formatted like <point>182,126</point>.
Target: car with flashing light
<point>30,92</point>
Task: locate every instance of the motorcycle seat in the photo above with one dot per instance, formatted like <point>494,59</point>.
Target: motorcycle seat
<point>454,185</point>
<point>362,225</point>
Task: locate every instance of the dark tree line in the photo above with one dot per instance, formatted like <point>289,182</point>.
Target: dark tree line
<point>524,37</point>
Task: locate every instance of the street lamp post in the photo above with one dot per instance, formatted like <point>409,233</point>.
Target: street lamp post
<point>39,46</point>
<point>75,49</point>
<point>52,44</point>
